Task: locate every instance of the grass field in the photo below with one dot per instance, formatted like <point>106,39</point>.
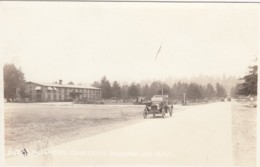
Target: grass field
<point>37,126</point>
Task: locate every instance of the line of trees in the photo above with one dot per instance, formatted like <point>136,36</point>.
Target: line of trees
<point>14,81</point>
<point>176,91</point>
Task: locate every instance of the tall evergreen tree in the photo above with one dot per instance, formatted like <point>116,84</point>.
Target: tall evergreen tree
<point>13,79</point>
<point>133,91</point>
<point>210,92</point>
<point>105,88</point>
<point>145,91</point>
<point>202,91</point>
<point>155,88</point>
<point>234,92</point>
<point>178,90</point>
<point>124,92</point>
<point>194,91</point>
<point>249,85</point>
<point>220,91</point>
<point>166,90</point>
<point>116,90</point>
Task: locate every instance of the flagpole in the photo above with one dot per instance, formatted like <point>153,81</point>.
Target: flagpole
<point>162,74</point>
<point>157,54</point>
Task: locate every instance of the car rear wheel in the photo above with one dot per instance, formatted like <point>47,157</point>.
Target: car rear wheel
<point>171,112</point>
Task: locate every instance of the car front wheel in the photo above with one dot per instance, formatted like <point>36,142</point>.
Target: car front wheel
<point>163,113</point>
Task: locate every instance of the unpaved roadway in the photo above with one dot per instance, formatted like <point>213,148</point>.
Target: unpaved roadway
<point>195,135</point>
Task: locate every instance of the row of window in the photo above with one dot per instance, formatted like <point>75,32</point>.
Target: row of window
<point>65,90</point>
<point>67,97</point>
<point>85,93</point>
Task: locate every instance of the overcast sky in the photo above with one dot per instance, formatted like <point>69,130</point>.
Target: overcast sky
<point>81,42</point>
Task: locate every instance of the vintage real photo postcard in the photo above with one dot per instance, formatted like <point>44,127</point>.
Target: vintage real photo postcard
<point>129,83</point>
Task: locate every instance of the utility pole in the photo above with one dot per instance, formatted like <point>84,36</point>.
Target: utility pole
<point>162,88</point>
<point>162,70</point>
<point>184,99</point>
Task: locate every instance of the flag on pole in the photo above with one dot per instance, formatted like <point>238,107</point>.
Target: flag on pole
<point>159,50</point>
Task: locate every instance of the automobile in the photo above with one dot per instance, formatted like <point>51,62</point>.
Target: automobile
<point>222,99</point>
<point>229,99</point>
<point>158,105</point>
<point>139,100</point>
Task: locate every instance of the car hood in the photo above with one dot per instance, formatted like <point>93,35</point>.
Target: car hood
<point>155,105</point>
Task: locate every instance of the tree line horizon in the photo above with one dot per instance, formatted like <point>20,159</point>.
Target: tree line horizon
<point>14,78</point>
<point>176,91</point>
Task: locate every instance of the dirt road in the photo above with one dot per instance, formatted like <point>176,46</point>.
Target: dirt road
<point>195,135</point>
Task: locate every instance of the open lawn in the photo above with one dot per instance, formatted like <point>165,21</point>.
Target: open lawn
<point>37,126</point>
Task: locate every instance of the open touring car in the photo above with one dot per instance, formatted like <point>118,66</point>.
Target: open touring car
<point>158,105</point>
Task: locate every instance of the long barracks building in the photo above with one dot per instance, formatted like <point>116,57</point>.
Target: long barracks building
<point>40,92</point>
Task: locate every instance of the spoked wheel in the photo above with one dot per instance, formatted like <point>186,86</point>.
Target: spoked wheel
<point>171,112</point>
<point>145,113</point>
<point>154,115</point>
<point>163,113</point>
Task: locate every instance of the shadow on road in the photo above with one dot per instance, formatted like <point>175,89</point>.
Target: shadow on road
<point>157,117</point>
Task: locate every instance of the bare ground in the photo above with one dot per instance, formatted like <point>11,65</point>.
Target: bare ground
<point>244,134</point>
<point>38,126</point>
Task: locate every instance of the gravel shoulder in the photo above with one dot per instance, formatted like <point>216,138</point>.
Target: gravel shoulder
<point>244,134</point>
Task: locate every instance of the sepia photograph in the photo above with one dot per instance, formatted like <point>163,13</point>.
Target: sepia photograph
<point>121,83</point>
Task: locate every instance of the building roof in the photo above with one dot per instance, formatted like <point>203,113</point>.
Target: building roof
<point>64,85</point>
